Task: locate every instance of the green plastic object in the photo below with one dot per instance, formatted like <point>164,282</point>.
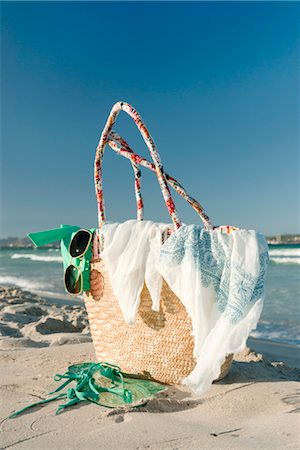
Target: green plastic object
<point>101,383</point>
<point>82,264</point>
<point>65,234</point>
<point>41,238</point>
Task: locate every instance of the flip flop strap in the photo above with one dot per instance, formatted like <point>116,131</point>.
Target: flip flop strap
<point>83,379</point>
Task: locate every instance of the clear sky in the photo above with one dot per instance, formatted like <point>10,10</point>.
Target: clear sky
<point>216,83</point>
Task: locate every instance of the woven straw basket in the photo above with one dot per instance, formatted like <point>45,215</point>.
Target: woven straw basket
<point>159,345</point>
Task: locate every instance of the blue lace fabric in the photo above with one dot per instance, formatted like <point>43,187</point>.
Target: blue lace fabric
<point>235,286</point>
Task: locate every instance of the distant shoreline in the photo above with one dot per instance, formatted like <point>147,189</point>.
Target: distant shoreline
<point>15,242</point>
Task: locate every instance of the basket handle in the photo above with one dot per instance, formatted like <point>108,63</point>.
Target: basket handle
<point>134,158</point>
<point>105,136</point>
<point>121,147</point>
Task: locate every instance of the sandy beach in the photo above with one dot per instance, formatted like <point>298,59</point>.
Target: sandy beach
<point>254,407</point>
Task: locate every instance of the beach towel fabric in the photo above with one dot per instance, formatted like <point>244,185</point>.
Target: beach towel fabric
<point>219,278</point>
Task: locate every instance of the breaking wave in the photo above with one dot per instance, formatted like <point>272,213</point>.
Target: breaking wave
<point>37,257</point>
<point>22,283</point>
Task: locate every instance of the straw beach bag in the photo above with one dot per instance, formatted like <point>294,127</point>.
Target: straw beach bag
<point>158,345</point>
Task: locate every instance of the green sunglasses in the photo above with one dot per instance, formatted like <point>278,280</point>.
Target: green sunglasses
<point>76,252</point>
<point>78,247</point>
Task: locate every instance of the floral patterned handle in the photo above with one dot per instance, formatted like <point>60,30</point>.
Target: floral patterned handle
<point>157,166</point>
<point>120,146</point>
<point>136,171</point>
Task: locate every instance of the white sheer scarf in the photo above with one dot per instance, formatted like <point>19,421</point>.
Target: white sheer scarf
<point>131,255</point>
<point>218,277</point>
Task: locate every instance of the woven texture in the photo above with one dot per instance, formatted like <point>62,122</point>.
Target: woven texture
<point>158,346</point>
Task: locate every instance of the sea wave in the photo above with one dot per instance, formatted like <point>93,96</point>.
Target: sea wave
<point>277,334</point>
<point>39,288</point>
<point>284,252</point>
<point>37,257</point>
<point>284,260</point>
<point>23,283</point>
<point>61,296</point>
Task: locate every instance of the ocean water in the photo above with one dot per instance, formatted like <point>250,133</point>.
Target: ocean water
<point>40,271</point>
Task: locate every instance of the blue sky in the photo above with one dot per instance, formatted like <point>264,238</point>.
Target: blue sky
<point>216,83</point>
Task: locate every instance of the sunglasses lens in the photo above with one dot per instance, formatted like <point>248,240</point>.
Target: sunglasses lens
<point>73,280</point>
<point>79,243</point>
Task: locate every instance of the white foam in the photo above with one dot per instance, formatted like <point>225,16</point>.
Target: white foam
<point>282,260</point>
<point>284,252</point>
<point>276,335</point>
<point>37,257</point>
<point>23,283</point>
<point>61,295</point>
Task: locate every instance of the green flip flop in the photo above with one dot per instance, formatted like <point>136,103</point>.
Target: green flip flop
<point>103,384</point>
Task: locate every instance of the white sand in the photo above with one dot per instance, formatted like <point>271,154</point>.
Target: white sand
<point>254,407</point>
